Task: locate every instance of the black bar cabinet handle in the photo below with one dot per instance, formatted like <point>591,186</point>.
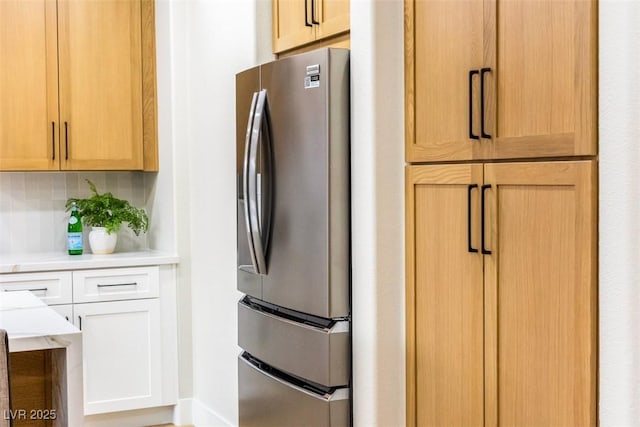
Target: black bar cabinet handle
<point>471,134</point>
<point>469,189</point>
<point>30,290</point>
<point>80,322</point>
<point>66,141</point>
<point>485,251</point>
<point>306,15</point>
<point>313,13</point>
<point>53,140</point>
<point>111,285</point>
<point>482,132</point>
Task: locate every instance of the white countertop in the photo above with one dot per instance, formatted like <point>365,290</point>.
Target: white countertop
<point>20,263</point>
<point>31,324</point>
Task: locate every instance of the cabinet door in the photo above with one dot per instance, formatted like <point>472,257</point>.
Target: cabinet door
<point>541,294</point>
<point>121,354</point>
<point>443,43</point>
<point>100,84</point>
<point>542,90</point>
<point>292,24</point>
<point>333,16</point>
<point>28,85</point>
<point>444,296</point>
<point>65,310</point>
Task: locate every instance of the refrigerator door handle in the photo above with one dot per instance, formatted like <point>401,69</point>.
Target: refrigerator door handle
<point>245,179</point>
<point>260,207</point>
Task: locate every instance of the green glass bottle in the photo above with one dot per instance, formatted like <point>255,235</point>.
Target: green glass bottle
<point>74,232</point>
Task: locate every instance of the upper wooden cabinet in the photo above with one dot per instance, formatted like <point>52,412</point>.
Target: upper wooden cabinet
<point>80,79</point>
<point>100,84</point>
<point>300,22</point>
<point>28,86</point>
<point>500,79</point>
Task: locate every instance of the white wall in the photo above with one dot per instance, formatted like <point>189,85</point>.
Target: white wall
<point>162,200</point>
<point>174,204</point>
<point>619,135</point>
<point>210,42</point>
<point>377,187</point>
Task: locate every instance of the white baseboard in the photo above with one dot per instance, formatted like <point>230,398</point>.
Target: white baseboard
<point>193,412</point>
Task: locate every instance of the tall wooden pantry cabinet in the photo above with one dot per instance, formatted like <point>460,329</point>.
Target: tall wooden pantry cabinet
<point>501,202</point>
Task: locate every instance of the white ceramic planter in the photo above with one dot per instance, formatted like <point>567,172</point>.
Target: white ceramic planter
<point>102,242</point>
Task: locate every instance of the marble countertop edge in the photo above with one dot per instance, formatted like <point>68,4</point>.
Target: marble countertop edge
<point>56,261</point>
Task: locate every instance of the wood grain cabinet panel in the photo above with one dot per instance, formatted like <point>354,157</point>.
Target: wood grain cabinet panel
<point>291,24</point>
<point>533,88</point>
<point>333,16</point>
<point>298,23</point>
<point>101,84</point>
<point>444,297</point>
<point>448,44</point>
<point>78,85</point>
<point>506,335</point>
<point>541,98</point>
<point>541,294</point>
<point>29,132</point>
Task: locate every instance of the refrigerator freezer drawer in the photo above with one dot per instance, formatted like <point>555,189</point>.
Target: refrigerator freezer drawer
<point>318,354</point>
<point>267,400</point>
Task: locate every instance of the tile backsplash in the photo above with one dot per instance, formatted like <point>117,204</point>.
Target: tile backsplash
<point>32,214</point>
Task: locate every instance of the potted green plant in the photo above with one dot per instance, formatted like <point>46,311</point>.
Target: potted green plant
<point>106,213</point>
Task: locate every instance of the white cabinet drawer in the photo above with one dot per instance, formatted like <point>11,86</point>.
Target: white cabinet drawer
<point>115,284</point>
<point>51,287</point>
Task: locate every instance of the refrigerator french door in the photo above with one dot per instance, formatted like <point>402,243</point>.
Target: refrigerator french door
<point>293,236</point>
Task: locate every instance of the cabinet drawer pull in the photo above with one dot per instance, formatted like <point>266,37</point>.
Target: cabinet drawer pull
<point>469,189</point>
<point>53,140</point>
<point>80,322</point>
<point>306,15</point>
<point>30,290</point>
<point>485,251</point>
<point>66,141</point>
<point>471,74</point>
<point>313,13</point>
<point>482,130</point>
<point>112,285</point>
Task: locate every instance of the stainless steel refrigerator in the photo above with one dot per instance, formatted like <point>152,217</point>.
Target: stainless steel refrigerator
<point>293,236</point>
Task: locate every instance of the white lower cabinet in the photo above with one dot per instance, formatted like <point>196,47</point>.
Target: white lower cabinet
<point>64,310</point>
<point>121,354</point>
<point>129,338</point>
